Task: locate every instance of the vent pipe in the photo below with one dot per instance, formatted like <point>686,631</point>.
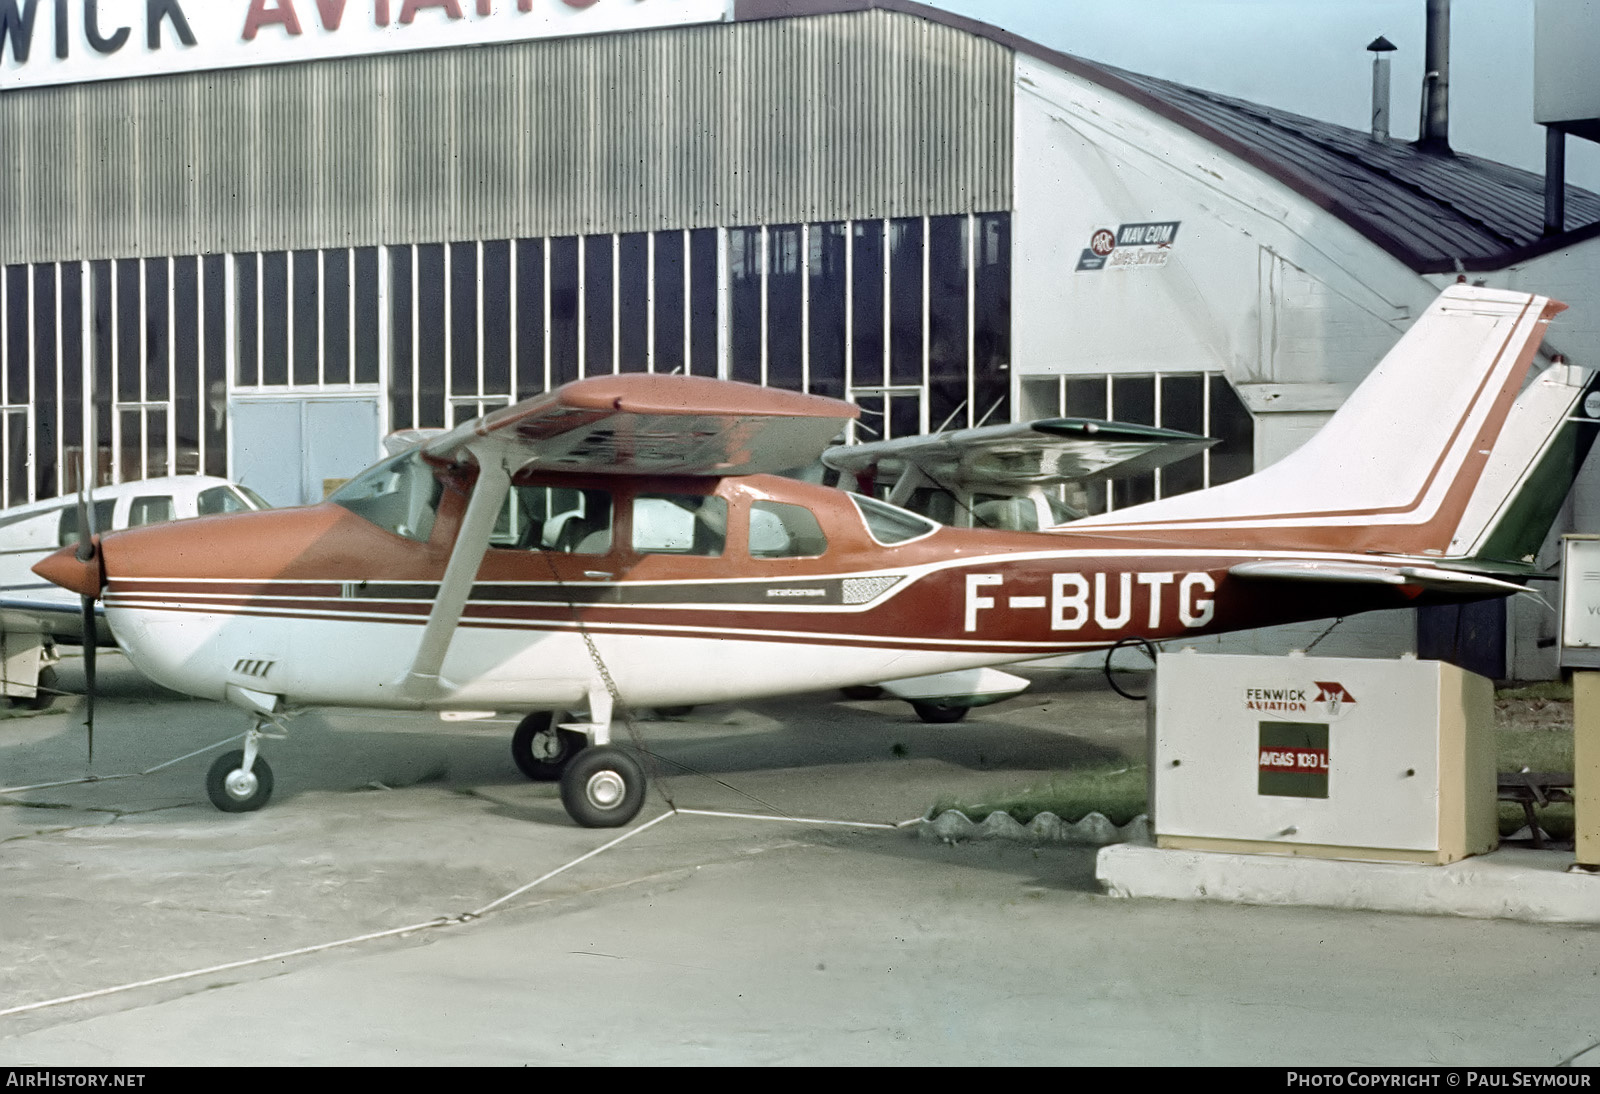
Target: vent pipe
<point>1380,49</point>
<point>1555,181</point>
<point>1433,133</point>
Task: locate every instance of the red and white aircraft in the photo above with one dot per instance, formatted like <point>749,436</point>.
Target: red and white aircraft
<point>619,543</point>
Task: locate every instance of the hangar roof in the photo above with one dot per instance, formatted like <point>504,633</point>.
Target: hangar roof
<point>1435,211</point>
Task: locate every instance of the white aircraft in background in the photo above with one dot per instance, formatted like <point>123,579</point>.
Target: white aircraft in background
<point>36,614</point>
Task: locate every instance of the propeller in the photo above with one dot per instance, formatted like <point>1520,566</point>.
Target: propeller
<point>88,551</point>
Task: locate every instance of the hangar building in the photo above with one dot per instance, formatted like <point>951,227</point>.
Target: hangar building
<point>251,237</point>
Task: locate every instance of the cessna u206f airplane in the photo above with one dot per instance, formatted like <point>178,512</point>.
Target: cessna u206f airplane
<point>619,542</point>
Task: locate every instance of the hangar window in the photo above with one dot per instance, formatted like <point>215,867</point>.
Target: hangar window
<point>1202,403</point>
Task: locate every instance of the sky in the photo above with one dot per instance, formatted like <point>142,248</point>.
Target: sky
<point>1310,57</point>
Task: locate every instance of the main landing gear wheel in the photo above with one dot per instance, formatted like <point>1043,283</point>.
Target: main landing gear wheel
<point>234,790</point>
<point>603,787</point>
<point>543,751</point>
<point>45,693</point>
<point>937,712</point>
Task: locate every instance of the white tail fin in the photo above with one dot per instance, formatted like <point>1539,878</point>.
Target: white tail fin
<point>1400,465</point>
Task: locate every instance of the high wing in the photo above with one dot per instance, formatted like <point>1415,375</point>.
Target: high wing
<point>1044,452</point>
<point>650,424</point>
<point>624,424</point>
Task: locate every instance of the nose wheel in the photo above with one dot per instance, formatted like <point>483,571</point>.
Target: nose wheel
<point>603,787</point>
<point>237,787</point>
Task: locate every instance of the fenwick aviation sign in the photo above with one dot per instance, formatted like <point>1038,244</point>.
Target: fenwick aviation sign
<point>45,42</point>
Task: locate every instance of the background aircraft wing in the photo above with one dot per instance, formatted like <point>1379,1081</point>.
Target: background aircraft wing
<point>23,612</point>
<point>1043,452</point>
<point>663,425</point>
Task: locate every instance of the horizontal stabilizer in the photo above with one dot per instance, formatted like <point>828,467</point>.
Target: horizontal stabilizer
<point>1428,578</point>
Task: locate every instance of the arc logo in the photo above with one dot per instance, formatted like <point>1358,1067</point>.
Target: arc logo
<point>1130,246</point>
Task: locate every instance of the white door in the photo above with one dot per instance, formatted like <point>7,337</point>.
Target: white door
<point>292,450</point>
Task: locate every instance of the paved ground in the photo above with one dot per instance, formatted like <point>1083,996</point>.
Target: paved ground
<point>699,940</point>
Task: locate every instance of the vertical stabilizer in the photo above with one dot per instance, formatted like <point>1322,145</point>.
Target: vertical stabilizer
<point>1394,470</point>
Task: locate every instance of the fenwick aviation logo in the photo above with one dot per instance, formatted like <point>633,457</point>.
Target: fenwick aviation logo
<point>1327,699</point>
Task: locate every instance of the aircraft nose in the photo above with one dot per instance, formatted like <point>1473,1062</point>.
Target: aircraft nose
<point>83,576</point>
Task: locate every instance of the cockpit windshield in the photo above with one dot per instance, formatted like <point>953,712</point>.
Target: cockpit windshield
<point>399,495</point>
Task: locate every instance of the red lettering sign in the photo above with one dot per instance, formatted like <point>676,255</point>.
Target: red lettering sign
<point>332,12</point>
<point>452,8</point>
<point>281,14</point>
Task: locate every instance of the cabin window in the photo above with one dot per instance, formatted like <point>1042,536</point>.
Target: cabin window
<point>780,530</point>
<point>399,495</point>
<point>150,510</point>
<point>554,518</point>
<point>889,524</point>
<point>679,524</point>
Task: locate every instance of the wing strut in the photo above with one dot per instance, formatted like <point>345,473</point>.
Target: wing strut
<point>494,483</point>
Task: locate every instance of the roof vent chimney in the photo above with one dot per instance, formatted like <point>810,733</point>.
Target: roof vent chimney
<point>1433,134</point>
<point>1380,49</point>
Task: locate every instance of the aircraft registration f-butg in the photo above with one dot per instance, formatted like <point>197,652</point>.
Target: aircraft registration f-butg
<point>623,541</point>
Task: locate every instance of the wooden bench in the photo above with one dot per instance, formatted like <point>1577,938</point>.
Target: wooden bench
<point>1530,788</point>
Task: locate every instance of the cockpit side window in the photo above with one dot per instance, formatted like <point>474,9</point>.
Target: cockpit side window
<point>68,532</point>
<point>400,495</point>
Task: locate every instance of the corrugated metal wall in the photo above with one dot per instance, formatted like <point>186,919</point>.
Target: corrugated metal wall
<point>854,115</point>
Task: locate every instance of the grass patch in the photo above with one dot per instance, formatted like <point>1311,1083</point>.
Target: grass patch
<point>1544,689</point>
<point>1535,750</point>
<point>1116,792</point>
